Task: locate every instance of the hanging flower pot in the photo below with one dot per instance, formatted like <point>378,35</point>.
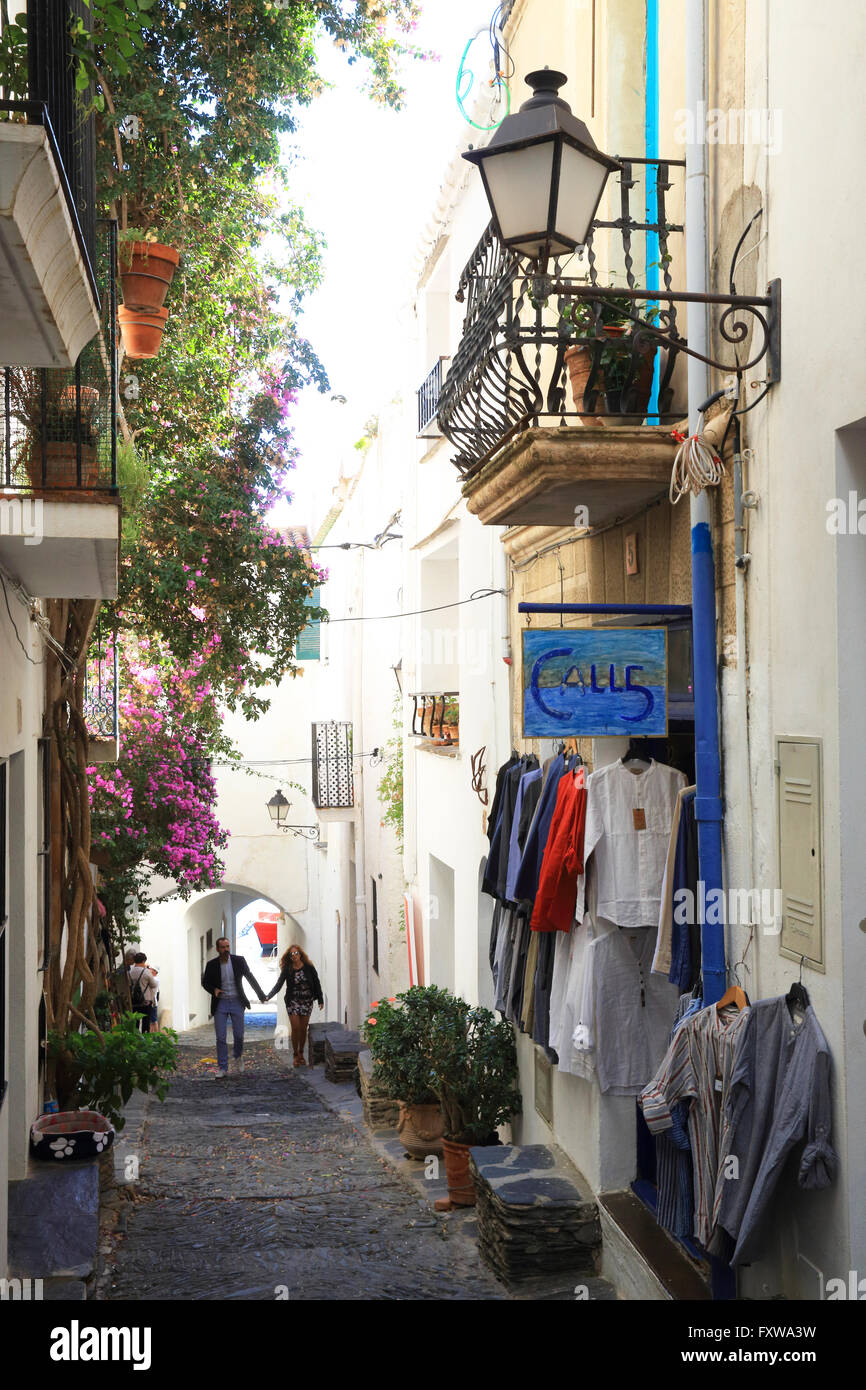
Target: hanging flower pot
<point>142,330</point>
<point>146,271</point>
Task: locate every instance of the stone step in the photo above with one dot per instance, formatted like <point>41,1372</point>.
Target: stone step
<point>642,1259</point>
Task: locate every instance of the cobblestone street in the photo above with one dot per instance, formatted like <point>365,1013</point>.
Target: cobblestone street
<point>251,1188</point>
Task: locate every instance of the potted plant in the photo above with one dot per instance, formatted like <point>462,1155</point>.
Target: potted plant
<point>146,268</point>
<point>617,384</point>
<point>57,419</point>
<point>395,1033</point>
<point>473,1068</point>
<point>449,728</point>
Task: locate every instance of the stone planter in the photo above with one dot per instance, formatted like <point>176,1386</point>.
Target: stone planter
<point>421,1128</point>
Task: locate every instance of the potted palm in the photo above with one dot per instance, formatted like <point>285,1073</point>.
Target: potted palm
<point>473,1069</point>
<point>618,385</point>
<point>394,1033</point>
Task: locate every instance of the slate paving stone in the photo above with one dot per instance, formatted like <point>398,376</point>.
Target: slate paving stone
<point>251,1188</point>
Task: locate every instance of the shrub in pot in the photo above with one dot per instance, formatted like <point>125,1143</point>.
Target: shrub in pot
<point>473,1068</point>
<point>394,1033</point>
<point>618,384</point>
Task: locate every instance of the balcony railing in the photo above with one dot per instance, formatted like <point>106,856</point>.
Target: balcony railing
<point>59,426</point>
<point>510,373</point>
<point>428,401</point>
<point>333,784</point>
<point>101,688</point>
<point>436,717</point>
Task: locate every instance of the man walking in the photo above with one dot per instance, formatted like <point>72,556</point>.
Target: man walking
<point>223,980</point>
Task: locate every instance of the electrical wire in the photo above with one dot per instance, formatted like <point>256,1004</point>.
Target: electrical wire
<point>696,466</point>
<point>32,660</point>
<point>416,612</point>
<point>466,78</point>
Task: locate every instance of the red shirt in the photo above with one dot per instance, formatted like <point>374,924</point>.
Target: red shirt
<point>562,863</point>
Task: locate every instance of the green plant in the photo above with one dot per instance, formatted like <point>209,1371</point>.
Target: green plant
<point>105,1069</point>
<point>395,1037</point>
<point>451,713</point>
<point>463,1054</point>
<point>390,789</point>
<point>133,482</point>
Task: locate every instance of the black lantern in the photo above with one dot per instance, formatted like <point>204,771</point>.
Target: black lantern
<point>278,808</point>
<point>543,174</point>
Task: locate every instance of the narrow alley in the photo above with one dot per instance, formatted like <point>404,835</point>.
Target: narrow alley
<point>251,1188</point>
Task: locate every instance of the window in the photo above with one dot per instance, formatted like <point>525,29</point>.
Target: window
<point>333,787</point>
<point>309,641</point>
<point>209,938</point>
<point>374,922</point>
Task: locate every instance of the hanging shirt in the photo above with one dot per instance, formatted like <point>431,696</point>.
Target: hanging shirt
<point>662,957</point>
<point>626,1011</point>
<point>779,1096</point>
<point>526,885</point>
<point>566,996</point>
<point>515,847</point>
<point>628,827</point>
<point>562,862</point>
<point>699,1064</point>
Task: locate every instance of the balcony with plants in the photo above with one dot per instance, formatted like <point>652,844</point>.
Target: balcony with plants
<point>49,299</point>
<point>435,720</point>
<point>569,379</point>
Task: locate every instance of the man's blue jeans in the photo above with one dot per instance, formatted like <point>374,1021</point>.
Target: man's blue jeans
<point>228,1009</point>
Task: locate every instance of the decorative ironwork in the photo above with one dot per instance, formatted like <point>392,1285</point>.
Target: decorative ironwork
<point>479,773</point>
<point>333,785</point>
<point>510,372</point>
<point>58,430</point>
<point>101,686</point>
<point>429,712</point>
<point>428,398</point>
<point>302,832</point>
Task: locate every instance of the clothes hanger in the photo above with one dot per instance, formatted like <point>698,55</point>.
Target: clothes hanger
<point>634,752</point>
<point>798,995</point>
<point>734,995</point>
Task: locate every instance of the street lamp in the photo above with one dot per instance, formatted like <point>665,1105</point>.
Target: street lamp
<point>543,174</point>
<point>278,810</point>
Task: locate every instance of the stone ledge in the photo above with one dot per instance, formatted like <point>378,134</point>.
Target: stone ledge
<point>544,474</point>
<point>54,1221</point>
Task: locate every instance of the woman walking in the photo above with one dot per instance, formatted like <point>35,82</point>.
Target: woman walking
<point>301,979</point>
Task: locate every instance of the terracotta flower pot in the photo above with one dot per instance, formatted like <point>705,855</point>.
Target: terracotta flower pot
<point>578,360</point>
<point>461,1190</point>
<point>420,1128</point>
<point>61,465</point>
<point>142,330</point>
<point>146,271</point>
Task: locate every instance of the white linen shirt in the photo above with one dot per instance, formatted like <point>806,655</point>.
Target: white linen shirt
<point>629,862</point>
<point>626,1012</point>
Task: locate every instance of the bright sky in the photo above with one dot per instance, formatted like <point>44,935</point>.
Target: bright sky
<point>368,179</point>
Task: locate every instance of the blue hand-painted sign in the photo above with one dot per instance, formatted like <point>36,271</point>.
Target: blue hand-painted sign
<point>591,682</point>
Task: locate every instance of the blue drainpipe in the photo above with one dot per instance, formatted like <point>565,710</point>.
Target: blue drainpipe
<point>651,151</point>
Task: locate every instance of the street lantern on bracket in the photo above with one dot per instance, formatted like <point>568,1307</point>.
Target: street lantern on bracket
<point>278,810</point>
<point>543,174</point>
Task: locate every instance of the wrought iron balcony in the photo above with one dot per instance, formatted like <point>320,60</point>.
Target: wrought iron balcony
<point>333,783</point>
<point>101,692</point>
<point>428,401</point>
<point>510,372</point>
<point>59,426</point>
<point>49,302</point>
<point>436,717</point>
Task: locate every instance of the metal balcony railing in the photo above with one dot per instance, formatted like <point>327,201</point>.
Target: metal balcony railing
<point>101,686</point>
<point>428,399</point>
<point>58,430</point>
<point>46,96</point>
<point>333,783</point>
<point>436,716</point>
<point>510,373</point>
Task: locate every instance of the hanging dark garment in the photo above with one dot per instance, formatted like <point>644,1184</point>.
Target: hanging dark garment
<point>536,839</point>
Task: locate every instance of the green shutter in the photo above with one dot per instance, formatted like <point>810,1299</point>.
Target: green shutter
<point>309,641</point>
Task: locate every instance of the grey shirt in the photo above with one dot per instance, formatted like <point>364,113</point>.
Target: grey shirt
<point>779,1096</point>
<point>228,984</point>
